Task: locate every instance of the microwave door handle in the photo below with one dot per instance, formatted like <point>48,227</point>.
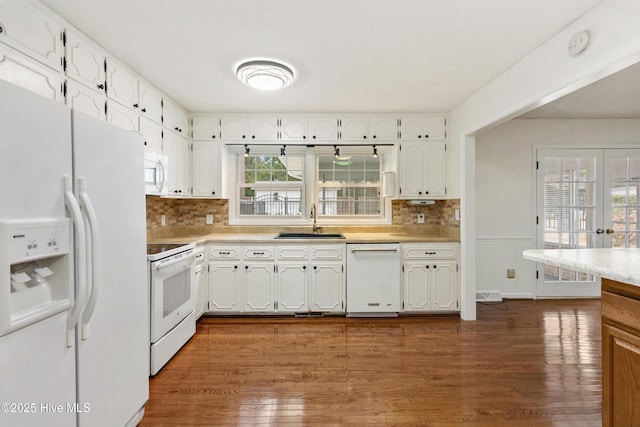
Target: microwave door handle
<point>93,236</point>
<point>80,257</point>
<point>161,183</point>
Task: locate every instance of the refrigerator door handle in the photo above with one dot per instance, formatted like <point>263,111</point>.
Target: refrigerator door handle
<point>93,239</point>
<point>80,254</point>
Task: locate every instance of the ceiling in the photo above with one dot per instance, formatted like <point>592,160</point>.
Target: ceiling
<point>348,55</point>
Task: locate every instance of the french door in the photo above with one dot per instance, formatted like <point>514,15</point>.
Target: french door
<point>586,198</point>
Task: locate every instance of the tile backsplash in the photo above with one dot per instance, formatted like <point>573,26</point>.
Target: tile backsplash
<point>193,212</point>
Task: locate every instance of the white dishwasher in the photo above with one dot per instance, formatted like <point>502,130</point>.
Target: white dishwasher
<point>373,279</point>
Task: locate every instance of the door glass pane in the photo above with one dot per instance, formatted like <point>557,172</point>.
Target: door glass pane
<point>624,175</point>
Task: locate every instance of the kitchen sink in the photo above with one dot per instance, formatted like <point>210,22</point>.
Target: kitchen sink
<point>309,236</point>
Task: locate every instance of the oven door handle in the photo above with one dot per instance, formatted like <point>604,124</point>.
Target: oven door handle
<point>189,259</point>
<point>80,256</point>
<point>93,237</point>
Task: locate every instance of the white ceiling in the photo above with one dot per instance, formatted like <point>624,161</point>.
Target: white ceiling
<point>348,55</point>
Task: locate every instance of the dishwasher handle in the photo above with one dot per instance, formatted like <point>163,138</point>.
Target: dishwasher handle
<point>374,249</point>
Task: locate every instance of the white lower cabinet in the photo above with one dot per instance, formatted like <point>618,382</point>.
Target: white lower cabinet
<point>202,288</point>
<point>430,277</point>
<point>283,279</point>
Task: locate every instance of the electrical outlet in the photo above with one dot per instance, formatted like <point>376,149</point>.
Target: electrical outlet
<point>163,219</point>
<point>420,218</point>
<point>456,215</point>
<point>511,273</point>
<point>209,219</point>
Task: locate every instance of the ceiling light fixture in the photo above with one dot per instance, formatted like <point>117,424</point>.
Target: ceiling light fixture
<point>246,150</point>
<point>265,75</point>
<point>375,152</point>
<point>282,153</point>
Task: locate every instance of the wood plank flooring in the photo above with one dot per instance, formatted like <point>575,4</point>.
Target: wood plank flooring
<point>523,363</point>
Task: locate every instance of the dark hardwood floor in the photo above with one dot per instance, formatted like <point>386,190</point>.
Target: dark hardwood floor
<point>523,363</point>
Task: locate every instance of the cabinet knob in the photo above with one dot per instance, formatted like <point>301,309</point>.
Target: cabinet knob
<point>419,192</point>
<point>314,137</point>
<point>144,110</point>
<point>374,136</point>
<point>253,137</point>
<point>419,136</point>
<point>235,267</point>
<point>427,266</point>
<point>213,136</point>
<point>101,86</point>
<point>1,29</point>
<point>364,137</point>
<point>426,136</point>
<point>213,193</point>
<point>176,128</point>
<point>426,192</point>
<point>304,136</point>
<point>244,136</point>
<point>315,267</point>
<point>246,267</point>
<point>435,266</point>
<point>135,105</point>
<point>304,267</point>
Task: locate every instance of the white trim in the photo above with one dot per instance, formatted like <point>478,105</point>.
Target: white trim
<point>518,295</point>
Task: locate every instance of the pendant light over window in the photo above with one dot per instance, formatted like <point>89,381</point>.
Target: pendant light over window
<point>265,75</point>
<point>246,150</point>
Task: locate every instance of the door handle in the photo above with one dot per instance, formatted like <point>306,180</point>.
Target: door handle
<point>87,207</point>
<point>610,231</point>
<point>599,231</point>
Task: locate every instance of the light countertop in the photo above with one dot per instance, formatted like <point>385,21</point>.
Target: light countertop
<point>376,237</point>
<point>622,265</point>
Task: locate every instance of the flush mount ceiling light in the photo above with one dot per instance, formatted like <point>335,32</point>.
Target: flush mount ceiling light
<point>265,75</point>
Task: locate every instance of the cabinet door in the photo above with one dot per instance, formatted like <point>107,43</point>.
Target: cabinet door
<point>122,85</point>
<point>327,290</point>
<point>410,175</point>
<point>152,133</point>
<point>174,117</point>
<point>29,30</point>
<point>434,169</point>
<point>122,116</point>
<point>234,129</point>
<point>205,128</point>
<point>224,288</point>
<point>264,129</point>
<point>354,128</point>
<point>85,100</point>
<point>383,128</point>
<point>176,149</point>
<point>411,128</point>
<point>293,129</point>
<point>444,287</point>
<point>28,74</point>
<point>150,102</point>
<point>416,286</point>
<point>433,129</point>
<point>206,169</point>
<point>620,373</point>
<point>323,129</point>
<point>85,64</point>
<point>292,283</point>
<point>258,287</point>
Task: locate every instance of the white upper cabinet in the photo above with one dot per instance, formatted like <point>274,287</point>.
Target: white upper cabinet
<point>354,128</point>
<point>205,128</point>
<point>174,117</point>
<point>422,169</point>
<point>234,129</point>
<point>29,30</point>
<point>150,102</point>
<point>122,85</point>
<point>85,100</point>
<point>323,128</point>
<point>85,63</point>
<point>293,129</point>
<point>429,128</point>
<point>264,129</point>
<point>205,166</point>
<point>383,128</point>
<point>31,75</point>
<point>122,116</point>
<point>152,133</point>
<point>176,148</point>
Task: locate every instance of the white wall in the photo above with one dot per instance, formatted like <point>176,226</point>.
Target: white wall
<point>505,191</point>
<point>544,75</point>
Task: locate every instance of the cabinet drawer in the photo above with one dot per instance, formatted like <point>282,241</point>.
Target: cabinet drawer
<point>328,252</point>
<point>224,253</point>
<point>257,252</point>
<point>293,252</point>
<point>425,252</point>
<point>621,309</point>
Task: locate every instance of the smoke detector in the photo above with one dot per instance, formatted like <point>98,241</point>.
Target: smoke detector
<point>578,42</point>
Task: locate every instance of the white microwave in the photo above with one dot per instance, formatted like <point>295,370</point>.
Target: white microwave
<point>155,174</point>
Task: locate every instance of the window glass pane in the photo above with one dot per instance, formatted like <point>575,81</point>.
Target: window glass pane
<point>348,201</point>
<point>270,201</point>
<point>619,169</point>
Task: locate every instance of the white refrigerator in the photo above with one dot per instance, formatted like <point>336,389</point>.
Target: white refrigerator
<point>74,306</point>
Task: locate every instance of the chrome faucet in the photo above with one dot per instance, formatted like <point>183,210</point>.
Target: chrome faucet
<point>313,214</point>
